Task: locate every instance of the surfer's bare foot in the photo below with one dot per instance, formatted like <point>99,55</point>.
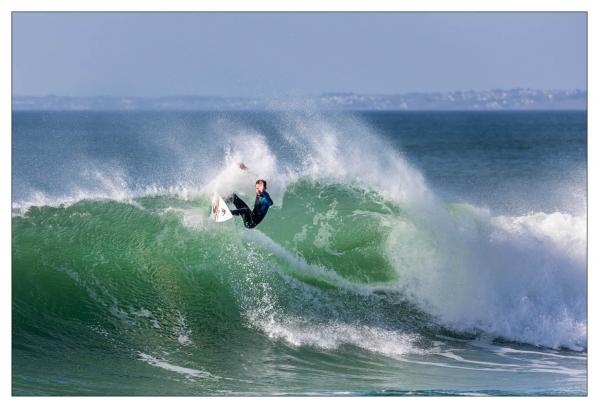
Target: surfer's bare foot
<point>242,166</point>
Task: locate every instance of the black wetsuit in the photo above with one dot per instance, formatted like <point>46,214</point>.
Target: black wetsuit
<point>251,218</point>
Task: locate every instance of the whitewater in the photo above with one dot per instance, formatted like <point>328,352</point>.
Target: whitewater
<point>405,254</point>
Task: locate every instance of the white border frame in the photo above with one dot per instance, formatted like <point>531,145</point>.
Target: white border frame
<point>8,6</point>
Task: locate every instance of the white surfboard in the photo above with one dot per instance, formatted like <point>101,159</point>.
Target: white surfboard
<point>219,211</point>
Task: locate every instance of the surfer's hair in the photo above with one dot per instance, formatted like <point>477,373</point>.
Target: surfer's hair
<point>261,181</point>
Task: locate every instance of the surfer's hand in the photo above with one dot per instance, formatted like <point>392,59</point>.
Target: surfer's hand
<point>242,166</point>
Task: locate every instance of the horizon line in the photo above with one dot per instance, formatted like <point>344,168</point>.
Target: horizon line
<point>325,93</point>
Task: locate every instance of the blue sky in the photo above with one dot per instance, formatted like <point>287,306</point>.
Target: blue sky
<point>261,54</point>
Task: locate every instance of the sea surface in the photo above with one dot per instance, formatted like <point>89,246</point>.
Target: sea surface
<point>407,253</point>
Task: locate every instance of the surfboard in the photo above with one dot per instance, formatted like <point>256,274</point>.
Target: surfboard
<point>219,211</point>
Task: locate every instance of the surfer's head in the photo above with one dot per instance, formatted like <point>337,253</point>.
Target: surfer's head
<point>260,186</point>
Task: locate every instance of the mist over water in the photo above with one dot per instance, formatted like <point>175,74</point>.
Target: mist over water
<point>452,243</point>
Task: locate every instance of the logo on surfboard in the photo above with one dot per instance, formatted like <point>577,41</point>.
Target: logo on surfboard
<point>219,211</point>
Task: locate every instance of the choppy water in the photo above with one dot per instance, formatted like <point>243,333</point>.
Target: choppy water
<point>407,253</point>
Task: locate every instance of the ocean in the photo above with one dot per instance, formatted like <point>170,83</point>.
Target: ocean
<point>407,253</point>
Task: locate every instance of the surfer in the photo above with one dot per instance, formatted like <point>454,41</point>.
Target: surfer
<point>251,218</point>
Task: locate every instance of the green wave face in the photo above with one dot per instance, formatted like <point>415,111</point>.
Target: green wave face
<point>341,228</point>
<point>98,284</point>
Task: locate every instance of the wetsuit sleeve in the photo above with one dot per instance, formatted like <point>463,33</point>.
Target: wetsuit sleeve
<point>269,200</point>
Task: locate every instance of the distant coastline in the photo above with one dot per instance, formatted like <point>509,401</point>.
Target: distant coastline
<point>497,99</point>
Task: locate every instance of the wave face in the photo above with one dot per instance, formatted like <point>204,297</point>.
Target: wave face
<point>362,263</point>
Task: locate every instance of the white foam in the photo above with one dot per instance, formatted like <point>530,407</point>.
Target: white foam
<point>187,372</point>
<point>331,335</point>
<point>565,231</point>
<point>522,278</point>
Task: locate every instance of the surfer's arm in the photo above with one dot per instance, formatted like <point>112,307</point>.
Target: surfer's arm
<point>268,199</point>
<point>242,166</point>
